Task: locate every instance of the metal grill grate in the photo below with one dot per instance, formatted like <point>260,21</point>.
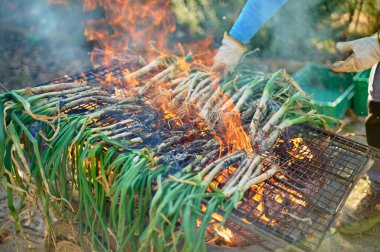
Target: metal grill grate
<point>298,205</point>
<point>318,186</point>
<point>95,76</point>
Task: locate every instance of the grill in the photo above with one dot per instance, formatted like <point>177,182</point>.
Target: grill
<point>325,182</point>
<point>296,207</point>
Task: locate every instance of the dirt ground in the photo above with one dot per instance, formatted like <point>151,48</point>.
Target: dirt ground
<point>68,237</point>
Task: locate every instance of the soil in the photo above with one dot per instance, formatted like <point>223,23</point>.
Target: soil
<point>35,48</point>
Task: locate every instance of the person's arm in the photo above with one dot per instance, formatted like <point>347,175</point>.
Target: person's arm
<point>253,16</point>
<point>365,53</point>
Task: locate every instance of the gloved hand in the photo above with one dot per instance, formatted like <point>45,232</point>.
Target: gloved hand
<point>365,54</point>
<point>228,55</point>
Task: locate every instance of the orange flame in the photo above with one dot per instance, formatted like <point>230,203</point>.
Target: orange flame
<point>143,26</point>
<point>258,197</point>
<point>225,233</point>
<point>235,135</point>
<point>170,113</point>
<point>128,24</point>
<point>300,150</point>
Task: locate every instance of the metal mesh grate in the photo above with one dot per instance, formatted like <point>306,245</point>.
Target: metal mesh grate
<point>298,205</point>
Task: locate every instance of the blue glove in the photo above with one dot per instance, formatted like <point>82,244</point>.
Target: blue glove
<point>253,16</point>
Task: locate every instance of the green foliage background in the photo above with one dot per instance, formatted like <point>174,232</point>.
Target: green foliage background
<point>303,29</point>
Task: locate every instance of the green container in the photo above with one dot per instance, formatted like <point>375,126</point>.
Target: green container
<point>361,93</point>
<point>331,92</point>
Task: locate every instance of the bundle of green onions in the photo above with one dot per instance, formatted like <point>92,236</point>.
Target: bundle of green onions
<point>143,184</point>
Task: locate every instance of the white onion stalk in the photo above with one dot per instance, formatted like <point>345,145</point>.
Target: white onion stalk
<point>278,115</point>
<point>202,84</point>
<point>234,98</point>
<point>261,178</point>
<point>246,95</point>
<point>268,90</point>
<point>309,117</point>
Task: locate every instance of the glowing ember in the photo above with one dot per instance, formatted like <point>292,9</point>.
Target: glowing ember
<point>260,208</point>
<point>170,115</point>
<point>300,150</point>
<point>225,233</point>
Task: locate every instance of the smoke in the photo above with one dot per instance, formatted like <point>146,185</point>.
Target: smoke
<point>43,39</point>
<point>61,26</point>
<point>296,32</point>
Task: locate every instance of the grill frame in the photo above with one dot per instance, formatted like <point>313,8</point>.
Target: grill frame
<point>308,243</point>
<point>97,75</point>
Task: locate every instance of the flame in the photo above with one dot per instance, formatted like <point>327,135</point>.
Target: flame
<point>280,196</point>
<point>133,26</point>
<point>300,150</point>
<point>223,176</point>
<point>235,135</point>
<point>170,114</point>
<point>108,77</point>
<point>233,132</point>
<point>145,27</point>
<point>246,221</point>
<point>258,197</point>
<point>128,24</point>
<point>225,233</point>
<point>131,81</point>
<point>230,126</point>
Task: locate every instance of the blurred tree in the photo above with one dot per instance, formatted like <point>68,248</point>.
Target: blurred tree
<point>202,18</point>
<point>306,29</point>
